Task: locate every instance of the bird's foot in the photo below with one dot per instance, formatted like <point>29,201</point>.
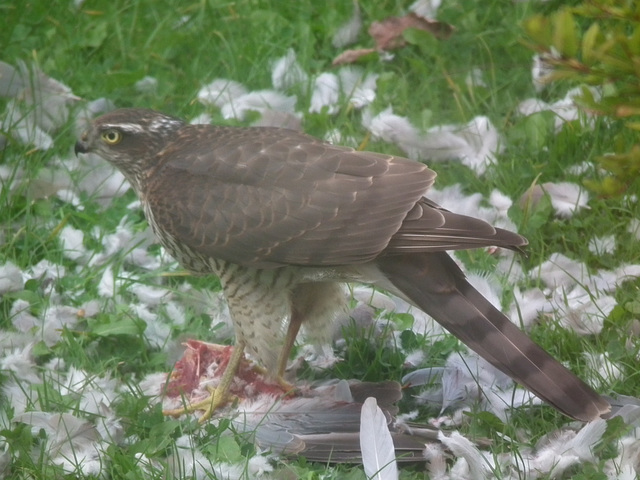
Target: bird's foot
<point>210,404</point>
<point>205,364</point>
<point>288,388</point>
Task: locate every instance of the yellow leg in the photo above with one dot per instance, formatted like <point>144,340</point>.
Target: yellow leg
<point>219,395</point>
<point>283,357</point>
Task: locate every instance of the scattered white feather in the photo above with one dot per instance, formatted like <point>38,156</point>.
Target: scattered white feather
<point>91,392</point>
<point>57,318</point>
<point>376,444</point>
<point>623,472</point>
<point>566,197</point>
<point>20,363</point>
<point>143,313</point>
<point>561,271</point>
<point>394,129</point>
<point>125,240</point>
<point>157,333</point>
<point>582,311</point>
<point>608,281</point>
<point>468,380</point>
<point>147,84</point>
<point>528,305</point>
<point>5,453</point>
<point>335,137</point>
<point>19,394</point>
<point>287,73</point>
<point>359,89</point>
<point>21,317</point>
<point>426,8</point>
<point>319,358</point>
<point>602,245</point>
<point>24,128</point>
<point>623,467</point>
<point>423,324</point>
<point>487,286</point>
<point>501,202</point>
<point>141,257</point>
<point>71,442</point>
<point>259,465</point>
<point>414,358</point>
<point>149,295</point>
<point>580,168</point>
<point>10,278</point>
<point>181,21</point>
<point>624,273</point>
<point>98,178</point>
<point>437,461</point>
<point>72,243</point>
<point>561,450</point>
<point>152,385</point>
<point>475,144</point>
<point>280,119</point>
<point>258,101</point>
<point>326,94</point>
<point>70,197</point>
<point>452,198</point>
<point>109,426</point>
<point>634,228</point>
<point>424,376</point>
<point>348,32</point>
<point>41,101</point>
<point>565,110</point>
<point>541,69</point>
<point>201,119</point>
<point>175,312</point>
<point>187,461</point>
<point>476,466</point>
<point>107,284</point>
<point>475,78</point>
<point>468,377</point>
<point>459,386</point>
<point>605,371</point>
<point>373,297</point>
<point>509,267</point>
<point>11,81</point>
<point>220,92</point>
<point>11,176</point>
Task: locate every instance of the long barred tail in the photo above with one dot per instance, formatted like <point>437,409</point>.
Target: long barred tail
<point>436,285</point>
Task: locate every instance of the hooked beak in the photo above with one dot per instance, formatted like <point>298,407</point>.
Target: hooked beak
<point>81,147</point>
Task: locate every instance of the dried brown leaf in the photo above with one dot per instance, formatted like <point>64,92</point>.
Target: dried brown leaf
<point>351,56</point>
<point>388,33</point>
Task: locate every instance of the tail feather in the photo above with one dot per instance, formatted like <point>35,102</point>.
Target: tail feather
<point>435,284</point>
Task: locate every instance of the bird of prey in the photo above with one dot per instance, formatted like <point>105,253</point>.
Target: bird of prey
<point>284,219</point>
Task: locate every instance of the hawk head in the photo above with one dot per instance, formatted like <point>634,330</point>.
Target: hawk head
<point>129,138</point>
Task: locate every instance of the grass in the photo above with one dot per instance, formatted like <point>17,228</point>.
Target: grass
<point>103,48</point>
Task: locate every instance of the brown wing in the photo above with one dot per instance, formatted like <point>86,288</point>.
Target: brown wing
<point>430,228</point>
<point>268,197</point>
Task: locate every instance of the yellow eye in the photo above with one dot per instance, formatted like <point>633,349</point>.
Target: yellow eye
<point>111,137</point>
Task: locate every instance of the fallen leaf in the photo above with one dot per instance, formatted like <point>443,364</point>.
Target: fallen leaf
<point>388,33</point>
<point>352,56</point>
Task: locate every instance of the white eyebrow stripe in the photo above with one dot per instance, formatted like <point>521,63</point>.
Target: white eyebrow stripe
<point>163,123</point>
<point>125,127</point>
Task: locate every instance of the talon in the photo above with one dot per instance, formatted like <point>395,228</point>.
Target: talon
<point>209,404</point>
<point>221,394</point>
